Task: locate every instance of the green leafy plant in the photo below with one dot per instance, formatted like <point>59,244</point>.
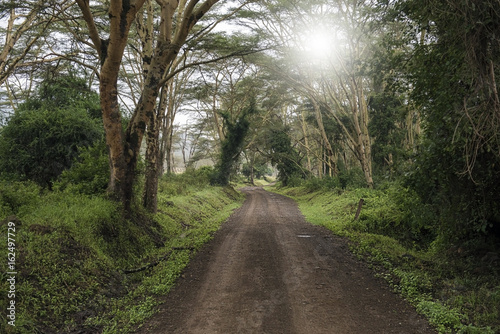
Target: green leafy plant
<point>89,174</point>
<point>73,250</point>
<point>44,135</point>
<point>14,196</point>
<point>443,318</point>
<point>232,145</point>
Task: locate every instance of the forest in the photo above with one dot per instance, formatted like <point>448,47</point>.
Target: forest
<point>127,125</point>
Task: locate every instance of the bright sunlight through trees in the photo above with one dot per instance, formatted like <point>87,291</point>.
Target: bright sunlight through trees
<point>319,43</point>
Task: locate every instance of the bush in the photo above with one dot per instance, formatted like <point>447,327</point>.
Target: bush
<point>345,179</point>
<point>396,212</point>
<point>199,177</point>
<point>440,316</point>
<point>15,195</point>
<point>38,145</point>
<point>90,174</point>
<point>45,133</point>
<point>351,178</point>
<point>393,210</point>
<point>191,180</point>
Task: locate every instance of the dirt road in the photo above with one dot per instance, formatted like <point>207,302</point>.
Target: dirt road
<point>269,271</point>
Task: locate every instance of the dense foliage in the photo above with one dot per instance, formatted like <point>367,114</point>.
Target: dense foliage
<point>232,145</point>
<point>44,135</point>
<point>401,96</point>
<point>283,155</point>
<point>73,250</point>
<point>89,173</point>
<point>454,83</point>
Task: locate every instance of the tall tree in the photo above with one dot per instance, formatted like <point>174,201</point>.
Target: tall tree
<point>211,48</point>
<point>177,19</point>
<point>26,25</point>
<point>452,66</point>
<point>232,145</point>
<point>331,79</point>
<point>282,153</point>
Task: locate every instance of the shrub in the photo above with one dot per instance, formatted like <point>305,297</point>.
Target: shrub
<point>440,316</point>
<point>15,195</point>
<point>89,174</point>
<point>191,180</point>
<point>39,144</point>
<point>45,133</point>
<point>351,178</point>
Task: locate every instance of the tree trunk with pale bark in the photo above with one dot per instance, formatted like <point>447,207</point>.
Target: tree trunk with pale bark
<point>124,147</point>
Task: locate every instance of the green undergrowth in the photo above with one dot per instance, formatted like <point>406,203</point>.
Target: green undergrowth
<point>456,290</point>
<point>73,251</point>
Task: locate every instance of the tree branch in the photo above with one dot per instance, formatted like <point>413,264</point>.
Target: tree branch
<point>89,19</point>
<point>204,62</point>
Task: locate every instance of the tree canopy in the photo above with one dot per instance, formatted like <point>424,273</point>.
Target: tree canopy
<point>391,90</point>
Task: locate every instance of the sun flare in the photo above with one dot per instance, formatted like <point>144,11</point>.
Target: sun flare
<point>318,43</point>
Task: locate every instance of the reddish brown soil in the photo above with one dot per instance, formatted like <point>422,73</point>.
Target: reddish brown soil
<point>269,271</point>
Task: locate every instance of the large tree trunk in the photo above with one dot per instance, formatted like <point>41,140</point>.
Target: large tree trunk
<point>165,54</point>
<point>154,157</point>
<point>361,125</point>
<point>114,136</point>
<point>168,126</point>
<point>329,159</point>
<point>306,140</point>
<point>124,148</point>
<point>150,201</point>
<point>168,156</point>
<point>122,156</point>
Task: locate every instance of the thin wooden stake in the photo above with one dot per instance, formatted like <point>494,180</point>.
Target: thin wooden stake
<point>360,205</point>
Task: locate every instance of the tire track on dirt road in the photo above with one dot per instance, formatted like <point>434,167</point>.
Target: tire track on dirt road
<point>269,271</point>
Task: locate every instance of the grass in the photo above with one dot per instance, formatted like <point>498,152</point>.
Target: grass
<point>72,251</point>
<point>456,292</point>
